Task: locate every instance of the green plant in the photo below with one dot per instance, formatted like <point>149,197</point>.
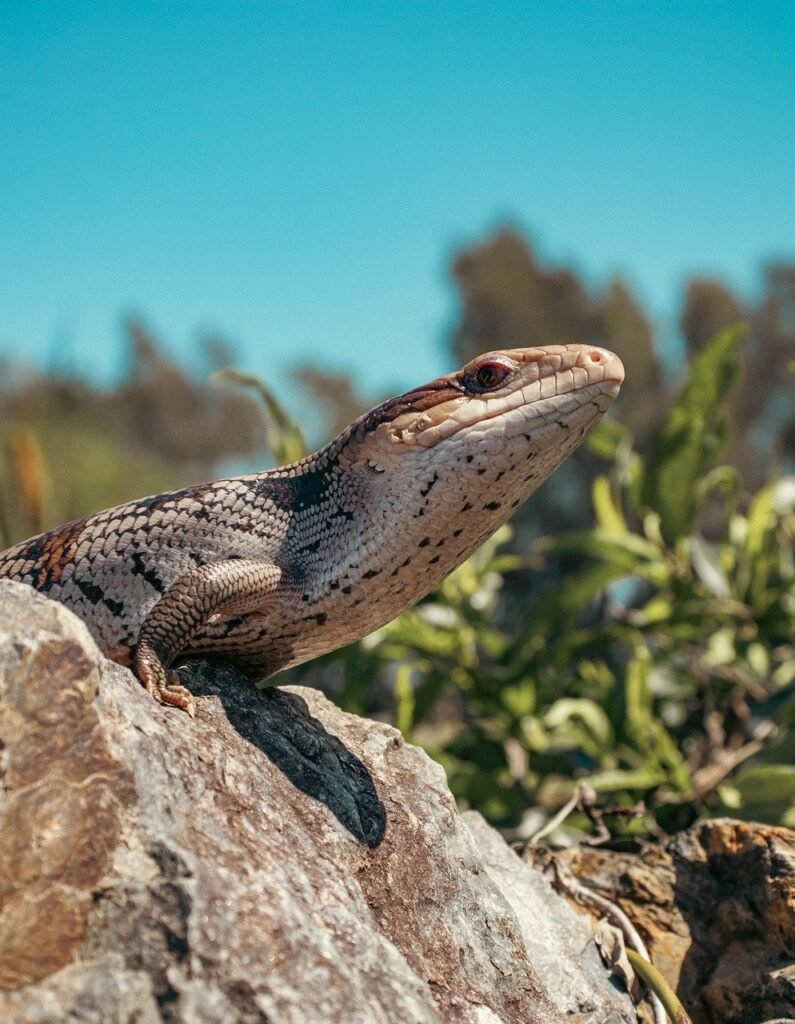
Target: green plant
<point>661,666</point>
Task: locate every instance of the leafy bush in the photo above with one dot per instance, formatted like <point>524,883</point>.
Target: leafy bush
<point>660,668</point>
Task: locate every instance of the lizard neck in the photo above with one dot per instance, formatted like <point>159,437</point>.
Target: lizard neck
<point>387,534</point>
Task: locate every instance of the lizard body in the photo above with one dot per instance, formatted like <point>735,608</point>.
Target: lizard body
<point>272,569</point>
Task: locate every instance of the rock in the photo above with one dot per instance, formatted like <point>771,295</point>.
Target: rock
<point>716,907</point>
<point>274,860</point>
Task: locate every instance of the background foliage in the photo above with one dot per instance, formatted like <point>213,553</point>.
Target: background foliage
<point>633,626</point>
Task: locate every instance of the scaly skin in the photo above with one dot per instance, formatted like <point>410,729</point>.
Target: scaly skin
<point>273,569</point>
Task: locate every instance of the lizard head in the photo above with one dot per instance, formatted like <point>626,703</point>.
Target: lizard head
<point>457,456</point>
<point>539,399</point>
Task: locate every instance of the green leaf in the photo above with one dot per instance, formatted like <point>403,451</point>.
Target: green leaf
<point>404,699</point>
<point>760,519</point>
<point>616,779</point>
<point>657,610</point>
<point>601,544</point>
<point>726,481</point>
<point>638,696</point>
<point>519,699</point>
<point>581,719</point>
<point>608,515</point>
<point>606,439</point>
<point>693,435</point>
<point>576,590</point>
<point>624,555</point>
<point>766,784</point>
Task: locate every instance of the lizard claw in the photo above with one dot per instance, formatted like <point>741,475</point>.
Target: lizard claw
<point>163,685</point>
<point>175,695</point>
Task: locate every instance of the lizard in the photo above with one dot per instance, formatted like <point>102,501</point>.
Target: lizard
<point>271,569</point>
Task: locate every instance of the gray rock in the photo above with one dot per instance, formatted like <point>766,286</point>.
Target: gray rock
<point>563,954</point>
<point>274,860</point>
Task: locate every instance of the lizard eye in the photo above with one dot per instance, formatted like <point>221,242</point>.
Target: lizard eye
<point>486,377</point>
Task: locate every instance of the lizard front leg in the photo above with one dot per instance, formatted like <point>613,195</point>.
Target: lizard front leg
<point>233,586</point>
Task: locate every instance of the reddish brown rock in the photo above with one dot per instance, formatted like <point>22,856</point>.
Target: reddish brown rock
<point>716,906</point>
<point>64,796</point>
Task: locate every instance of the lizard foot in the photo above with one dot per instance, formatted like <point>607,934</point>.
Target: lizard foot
<point>163,684</point>
<point>175,695</point>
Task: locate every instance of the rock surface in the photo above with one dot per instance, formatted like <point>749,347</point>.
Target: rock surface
<point>274,860</point>
<point>716,907</point>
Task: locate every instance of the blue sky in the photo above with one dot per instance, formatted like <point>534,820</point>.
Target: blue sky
<point>296,176</point>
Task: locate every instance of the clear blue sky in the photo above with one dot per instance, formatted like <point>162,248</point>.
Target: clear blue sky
<point>296,175</point>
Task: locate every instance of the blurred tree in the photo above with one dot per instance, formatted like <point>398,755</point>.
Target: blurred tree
<point>770,371</point>
<point>68,447</point>
<point>218,353</point>
<point>184,421</point>
<point>762,413</point>
<point>336,394</point>
<point>508,300</point>
<point>708,307</point>
<point>73,459</point>
<point>622,326</point>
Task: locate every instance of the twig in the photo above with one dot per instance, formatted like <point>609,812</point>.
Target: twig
<point>708,778</point>
<point>584,797</point>
<point>557,820</point>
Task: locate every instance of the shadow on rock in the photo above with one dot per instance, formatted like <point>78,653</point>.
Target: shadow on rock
<point>316,762</point>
